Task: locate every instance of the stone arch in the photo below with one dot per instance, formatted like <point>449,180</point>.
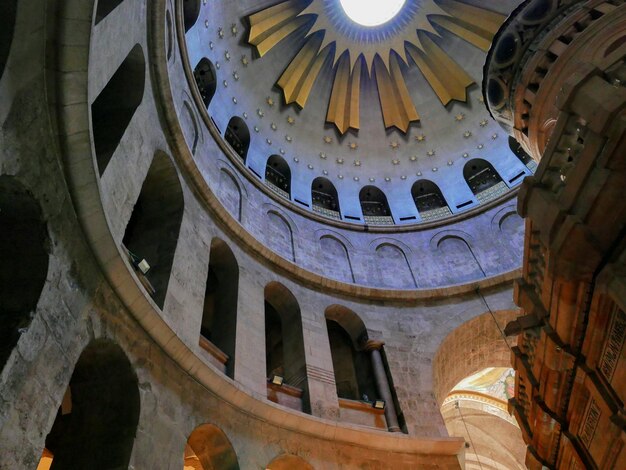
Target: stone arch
<point>459,256</point>
<point>8,11</point>
<point>471,347</point>
<point>393,267</point>
<point>278,176</point>
<point>208,448</point>
<point>280,235</point>
<point>351,364</point>
<point>325,198</point>
<point>191,12</point>
<point>289,462</point>
<point>105,7</point>
<point>153,229</point>
<point>206,80</point>
<point>429,200</point>
<point>336,258</point>
<point>375,207</point>
<point>237,135</point>
<point>219,314</point>
<point>115,106</point>
<point>231,193</point>
<point>512,226</point>
<point>191,131</point>
<point>284,343</point>
<point>24,265</point>
<point>481,177</point>
<point>96,424</point>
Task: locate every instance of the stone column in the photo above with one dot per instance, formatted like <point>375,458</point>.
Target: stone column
<point>382,383</point>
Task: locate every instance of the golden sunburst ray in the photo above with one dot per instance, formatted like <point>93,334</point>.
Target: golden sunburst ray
<point>381,51</point>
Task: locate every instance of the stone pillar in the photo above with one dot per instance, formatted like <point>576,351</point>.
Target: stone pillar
<point>382,383</point>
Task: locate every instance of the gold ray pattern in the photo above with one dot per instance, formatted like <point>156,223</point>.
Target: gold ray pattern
<point>447,78</point>
<point>299,77</point>
<point>345,99</point>
<point>395,101</point>
<point>381,55</point>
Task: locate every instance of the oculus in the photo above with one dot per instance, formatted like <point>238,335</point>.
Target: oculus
<point>371,12</point>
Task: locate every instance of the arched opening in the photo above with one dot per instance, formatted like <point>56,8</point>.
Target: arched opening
<point>96,423</point>
<point>206,79</point>
<point>289,462</point>
<point>429,201</point>
<point>473,382</point>
<point>284,349</point>
<point>105,7</point>
<point>208,448</point>
<point>8,10</point>
<point>353,370</point>
<point>325,198</point>
<point>24,264</point>
<point>521,154</point>
<point>152,231</point>
<point>219,316</point>
<point>238,136</point>
<point>115,106</point>
<point>361,373</point>
<point>375,206</point>
<point>483,180</point>
<point>191,11</point>
<point>278,176</point>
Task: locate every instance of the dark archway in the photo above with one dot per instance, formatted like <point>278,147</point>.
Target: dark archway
<point>191,12</point>
<point>520,153</point>
<point>219,316</point>
<point>284,341</point>
<point>354,377</point>
<point>105,7</point>
<point>238,136</point>
<point>483,179</point>
<point>375,206</point>
<point>206,79</point>
<point>429,201</point>
<point>115,106</point>
<point>325,198</point>
<point>208,448</point>
<point>24,262</point>
<point>153,230</point>
<point>95,426</point>
<point>278,176</point>
<point>8,11</point>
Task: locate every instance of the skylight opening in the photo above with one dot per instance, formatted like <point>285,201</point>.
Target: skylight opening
<point>372,12</point>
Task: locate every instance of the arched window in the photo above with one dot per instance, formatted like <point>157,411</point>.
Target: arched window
<point>325,199</point>
<point>429,201</point>
<point>278,176</point>
<point>521,154</point>
<point>152,232</point>
<point>353,369</point>
<point>219,316</point>
<point>105,7</point>
<point>483,180</point>
<point>238,136</point>
<point>115,106</point>
<point>284,349</point>
<point>206,79</point>
<point>191,11</point>
<point>375,206</point>
<point>8,9</point>
<point>96,424</point>
<point>24,264</point>
<point>208,448</point>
